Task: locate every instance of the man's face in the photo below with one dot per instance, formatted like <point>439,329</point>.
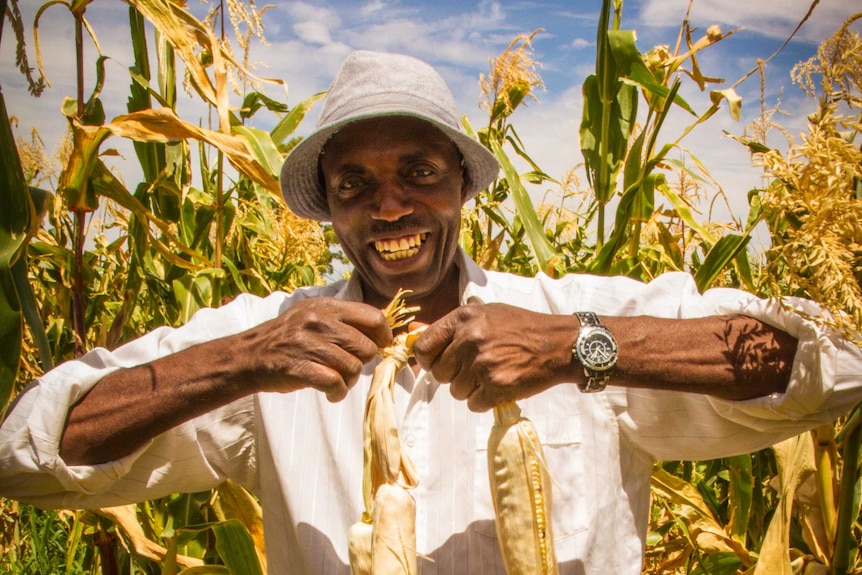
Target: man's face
<point>394,186</point>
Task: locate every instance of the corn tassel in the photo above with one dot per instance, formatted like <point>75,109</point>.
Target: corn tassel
<point>521,491</point>
<point>383,541</point>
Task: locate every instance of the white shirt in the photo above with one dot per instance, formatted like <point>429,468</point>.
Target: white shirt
<point>302,455</point>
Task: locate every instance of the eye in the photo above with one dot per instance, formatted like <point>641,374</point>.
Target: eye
<point>348,187</point>
<point>422,173</point>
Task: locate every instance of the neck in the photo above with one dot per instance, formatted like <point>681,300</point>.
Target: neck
<point>432,305</point>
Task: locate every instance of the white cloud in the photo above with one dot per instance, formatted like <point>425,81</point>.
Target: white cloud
<point>300,11</point>
<point>373,8</point>
<point>312,32</point>
<point>581,43</point>
<point>766,17</point>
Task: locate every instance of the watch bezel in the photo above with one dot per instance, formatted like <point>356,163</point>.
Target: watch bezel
<point>585,335</point>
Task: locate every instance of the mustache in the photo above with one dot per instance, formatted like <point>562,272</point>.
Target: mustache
<point>404,224</point>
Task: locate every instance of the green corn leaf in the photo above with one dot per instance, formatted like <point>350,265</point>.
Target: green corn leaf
<point>15,219</point>
<point>604,139</point>
<point>633,198</point>
<point>107,185</point>
<point>236,547</point>
<point>755,209</point>
<point>743,268</point>
<point>631,66</point>
<point>235,274</point>
<point>634,169</point>
<point>288,124</point>
<point>167,70</point>
<point>262,147</point>
<point>753,146</point>
<point>235,502</point>
<point>29,305</point>
<point>740,494</point>
<point>718,563</point>
<point>685,213</point>
<point>542,249</point>
<point>610,108</point>
<point>254,101</point>
<point>719,256</point>
<point>195,292</point>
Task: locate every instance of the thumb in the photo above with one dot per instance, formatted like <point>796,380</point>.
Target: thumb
<point>433,341</point>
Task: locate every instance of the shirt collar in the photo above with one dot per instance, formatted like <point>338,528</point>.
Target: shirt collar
<point>473,282</point>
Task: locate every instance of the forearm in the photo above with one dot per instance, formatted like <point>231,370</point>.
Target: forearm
<point>318,343</point>
<point>732,357</point>
<point>130,406</point>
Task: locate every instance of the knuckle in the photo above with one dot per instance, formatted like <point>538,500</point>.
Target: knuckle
<point>330,381</point>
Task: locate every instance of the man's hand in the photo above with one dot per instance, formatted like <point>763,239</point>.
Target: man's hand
<point>496,353</point>
<point>318,343</point>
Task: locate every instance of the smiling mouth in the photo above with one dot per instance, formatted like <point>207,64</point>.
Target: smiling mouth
<point>400,248</point>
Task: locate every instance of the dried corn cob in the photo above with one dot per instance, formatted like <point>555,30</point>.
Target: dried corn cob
<point>393,550</point>
<point>521,491</point>
<point>384,540</point>
<point>359,541</point>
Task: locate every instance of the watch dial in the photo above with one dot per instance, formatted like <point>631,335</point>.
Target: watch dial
<point>598,350</point>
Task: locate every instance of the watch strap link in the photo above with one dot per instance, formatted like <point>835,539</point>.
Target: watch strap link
<point>587,318</point>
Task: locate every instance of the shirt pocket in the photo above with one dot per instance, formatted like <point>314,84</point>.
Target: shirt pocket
<point>562,445</point>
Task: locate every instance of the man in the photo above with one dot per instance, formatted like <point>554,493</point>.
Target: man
<point>271,392</point>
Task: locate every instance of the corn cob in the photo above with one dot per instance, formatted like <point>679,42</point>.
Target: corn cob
<point>359,540</point>
<point>393,550</point>
<point>383,541</point>
<point>521,491</point>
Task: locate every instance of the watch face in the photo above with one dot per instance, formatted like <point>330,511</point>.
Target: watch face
<point>597,349</point>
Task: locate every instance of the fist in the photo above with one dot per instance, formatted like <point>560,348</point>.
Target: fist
<point>494,353</point>
<point>320,343</point>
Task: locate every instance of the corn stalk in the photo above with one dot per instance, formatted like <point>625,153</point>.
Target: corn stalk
<point>154,259</point>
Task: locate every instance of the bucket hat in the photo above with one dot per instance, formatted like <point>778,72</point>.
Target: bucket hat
<point>375,84</point>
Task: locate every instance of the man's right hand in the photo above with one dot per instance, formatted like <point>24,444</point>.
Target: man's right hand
<point>319,343</point>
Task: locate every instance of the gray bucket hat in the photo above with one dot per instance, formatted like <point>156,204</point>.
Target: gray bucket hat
<point>373,84</point>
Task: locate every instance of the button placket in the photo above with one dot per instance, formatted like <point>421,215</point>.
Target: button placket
<point>414,432</point>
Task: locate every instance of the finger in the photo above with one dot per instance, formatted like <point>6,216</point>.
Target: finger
<point>334,374</point>
<point>479,401</point>
<point>433,342</point>
<point>462,387</point>
<point>369,320</point>
<point>357,344</point>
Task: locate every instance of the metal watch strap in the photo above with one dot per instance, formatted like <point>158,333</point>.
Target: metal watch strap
<point>587,318</point>
<point>596,380</point>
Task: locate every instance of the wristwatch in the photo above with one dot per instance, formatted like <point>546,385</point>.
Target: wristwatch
<point>596,349</point>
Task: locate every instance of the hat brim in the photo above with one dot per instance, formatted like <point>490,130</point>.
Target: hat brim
<point>300,183</point>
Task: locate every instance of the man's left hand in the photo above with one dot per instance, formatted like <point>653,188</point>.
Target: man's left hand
<point>493,353</point>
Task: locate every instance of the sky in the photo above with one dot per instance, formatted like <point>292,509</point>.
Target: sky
<point>306,43</point>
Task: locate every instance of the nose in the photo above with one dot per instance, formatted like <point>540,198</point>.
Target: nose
<point>391,202</point>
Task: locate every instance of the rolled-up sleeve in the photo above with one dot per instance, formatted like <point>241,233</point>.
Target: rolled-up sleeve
<point>194,456</point>
<point>825,381</point>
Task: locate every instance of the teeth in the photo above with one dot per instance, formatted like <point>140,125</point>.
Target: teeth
<point>400,248</point>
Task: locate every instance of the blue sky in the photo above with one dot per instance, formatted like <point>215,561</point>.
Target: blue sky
<point>307,41</point>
